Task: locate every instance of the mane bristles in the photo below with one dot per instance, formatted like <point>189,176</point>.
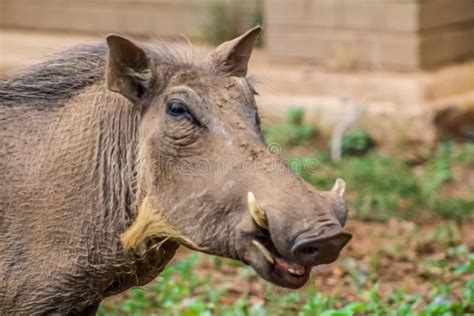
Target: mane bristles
<point>151,223</point>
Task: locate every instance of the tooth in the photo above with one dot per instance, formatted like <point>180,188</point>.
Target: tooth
<point>297,272</point>
<point>257,213</point>
<point>264,251</point>
<point>339,187</point>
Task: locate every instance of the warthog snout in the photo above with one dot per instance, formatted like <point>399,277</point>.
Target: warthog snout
<point>320,246</point>
<point>285,248</point>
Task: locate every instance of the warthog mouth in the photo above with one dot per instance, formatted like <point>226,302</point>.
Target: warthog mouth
<point>265,258</point>
<point>263,255</point>
<point>273,267</point>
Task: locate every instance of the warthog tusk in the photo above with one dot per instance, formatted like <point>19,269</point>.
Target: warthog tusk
<point>256,211</point>
<point>264,251</point>
<point>339,187</point>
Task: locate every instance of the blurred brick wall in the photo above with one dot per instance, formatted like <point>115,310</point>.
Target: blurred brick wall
<point>340,34</point>
<point>393,34</point>
<point>142,17</point>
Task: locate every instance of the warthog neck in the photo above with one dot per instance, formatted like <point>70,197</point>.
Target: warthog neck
<point>71,172</point>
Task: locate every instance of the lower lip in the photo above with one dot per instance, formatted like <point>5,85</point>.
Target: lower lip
<point>281,270</point>
<point>285,266</point>
<point>292,280</point>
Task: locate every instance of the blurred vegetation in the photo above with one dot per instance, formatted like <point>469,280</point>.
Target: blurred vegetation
<point>357,142</point>
<point>381,186</point>
<point>384,185</point>
<point>411,270</point>
<point>182,290</point>
<point>229,21</point>
<point>291,131</point>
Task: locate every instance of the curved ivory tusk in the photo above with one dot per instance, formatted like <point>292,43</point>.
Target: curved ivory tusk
<point>264,251</point>
<point>257,213</point>
<point>339,187</point>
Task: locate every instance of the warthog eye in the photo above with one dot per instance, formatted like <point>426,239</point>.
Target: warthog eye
<point>177,108</point>
<point>180,110</point>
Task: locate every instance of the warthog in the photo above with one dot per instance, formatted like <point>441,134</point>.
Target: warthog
<point>107,166</point>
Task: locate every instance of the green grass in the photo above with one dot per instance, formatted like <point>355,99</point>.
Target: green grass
<point>182,290</point>
<point>291,131</point>
<point>384,186</point>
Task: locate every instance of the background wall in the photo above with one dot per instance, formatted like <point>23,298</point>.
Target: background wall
<point>164,18</point>
<point>396,61</point>
<point>393,34</point>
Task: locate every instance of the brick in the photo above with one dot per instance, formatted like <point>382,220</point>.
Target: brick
<point>394,34</point>
<point>438,13</point>
<point>361,14</point>
<point>442,46</point>
<point>326,46</point>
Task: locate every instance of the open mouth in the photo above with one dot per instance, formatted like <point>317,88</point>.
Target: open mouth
<point>277,269</point>
<point>308,251</point>
<point>269,263</point>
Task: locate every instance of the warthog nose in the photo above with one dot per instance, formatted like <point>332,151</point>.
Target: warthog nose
<point>319,248</point>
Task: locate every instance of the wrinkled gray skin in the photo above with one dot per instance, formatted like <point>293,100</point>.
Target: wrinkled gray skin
<point>86,136</point>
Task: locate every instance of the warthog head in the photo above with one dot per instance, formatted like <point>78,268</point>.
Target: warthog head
<point>205,176</point>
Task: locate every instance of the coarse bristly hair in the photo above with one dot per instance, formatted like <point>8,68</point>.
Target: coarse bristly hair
<point>49,84</point>
<point>150,222</point>
<point>58,78</point>
<point>65,74</point>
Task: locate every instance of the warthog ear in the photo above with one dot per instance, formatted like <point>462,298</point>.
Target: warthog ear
<point>233,56</point>
<point>129,69</point>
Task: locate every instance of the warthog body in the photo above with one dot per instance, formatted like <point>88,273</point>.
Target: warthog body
<point>108,163</point>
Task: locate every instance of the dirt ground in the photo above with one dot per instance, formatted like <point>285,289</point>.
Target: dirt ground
<point>397,255</point>
<point>392,250</point>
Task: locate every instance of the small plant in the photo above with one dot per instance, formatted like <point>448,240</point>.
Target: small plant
<point>440,171</point>
<point>292,131</point>
<point>357,142</point>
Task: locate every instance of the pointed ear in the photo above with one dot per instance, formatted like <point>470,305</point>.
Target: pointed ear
<point>129,69</point>
<point>233,56</point>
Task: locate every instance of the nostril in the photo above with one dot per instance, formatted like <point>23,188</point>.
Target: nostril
<point>310,251</point>
<point>324,248</point>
